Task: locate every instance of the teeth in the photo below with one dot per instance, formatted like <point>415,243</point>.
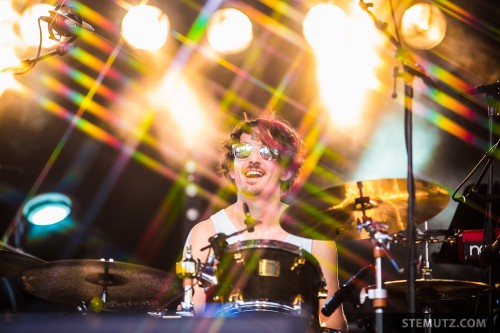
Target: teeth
<point>254,173</point>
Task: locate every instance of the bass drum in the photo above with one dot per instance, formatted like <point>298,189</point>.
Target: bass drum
<point>266,277</point>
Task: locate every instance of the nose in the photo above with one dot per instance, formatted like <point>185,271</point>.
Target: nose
<point>254,156</point>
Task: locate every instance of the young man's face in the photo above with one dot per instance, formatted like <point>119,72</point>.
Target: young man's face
<point>256,176</point>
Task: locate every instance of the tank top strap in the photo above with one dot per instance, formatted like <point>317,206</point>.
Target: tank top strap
<point>222,224</point>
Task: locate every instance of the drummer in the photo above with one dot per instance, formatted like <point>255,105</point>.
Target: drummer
<point>263,157</point>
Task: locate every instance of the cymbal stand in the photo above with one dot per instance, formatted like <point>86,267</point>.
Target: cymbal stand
<point>411,69</point>
<point>380,237</point>
<point>426,275</point>
<point>187,271</point>
<point>98,303</point>
<point>426,269</point>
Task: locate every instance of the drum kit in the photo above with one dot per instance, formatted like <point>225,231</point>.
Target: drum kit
<point>259,276</point>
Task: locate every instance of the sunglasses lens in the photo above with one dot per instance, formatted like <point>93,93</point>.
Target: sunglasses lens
<point>266,153</point>
<point>243,151</point>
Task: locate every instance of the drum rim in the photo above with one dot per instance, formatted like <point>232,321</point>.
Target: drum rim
<point>258,306</point>
<point>276,245</point>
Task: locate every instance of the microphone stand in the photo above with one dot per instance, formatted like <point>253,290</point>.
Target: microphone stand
<point>492,93</point>
<point>411,69</point>
<point>493,98</point>
<point>61,49</point>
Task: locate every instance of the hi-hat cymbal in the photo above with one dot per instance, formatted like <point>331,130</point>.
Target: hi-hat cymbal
<point>13,261</point>
<point>128,286</point>
<point>332,214</point>
<point>439,289</point>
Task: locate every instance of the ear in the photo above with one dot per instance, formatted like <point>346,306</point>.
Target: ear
<point>285,175</point>
<point>231,173</point>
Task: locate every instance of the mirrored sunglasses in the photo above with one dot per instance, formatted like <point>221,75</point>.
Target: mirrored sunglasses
<point>242,151</point>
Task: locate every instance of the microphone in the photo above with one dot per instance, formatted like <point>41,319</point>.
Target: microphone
<point>249,221</point>
<point>344,292</point>
<point>490,253</point>
<point>64,21</point>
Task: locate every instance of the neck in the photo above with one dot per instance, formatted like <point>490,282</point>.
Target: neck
<point>258,207</point>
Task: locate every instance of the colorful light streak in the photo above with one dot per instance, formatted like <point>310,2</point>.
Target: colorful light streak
<point>451,127</point>
<point>94,17</point>
<point>452,104</point>
<point>97,65</point>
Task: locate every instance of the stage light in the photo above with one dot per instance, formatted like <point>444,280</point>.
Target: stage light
<point>423,26</point>
<point>229,31</point>
<point>342,61</point>
<point>145,27</point>
<point>325,27</point>
<point>28,26</point>
<point>47,209</point>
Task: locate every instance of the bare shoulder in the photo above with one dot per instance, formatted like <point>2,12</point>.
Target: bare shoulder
<point>198,237</point>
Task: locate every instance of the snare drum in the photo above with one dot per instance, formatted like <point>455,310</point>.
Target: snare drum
<point>268,276</point>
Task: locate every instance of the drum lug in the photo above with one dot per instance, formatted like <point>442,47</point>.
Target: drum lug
<point>235,298</point>
<point>322,293</point>
<point>297,302</point>
<point>299,261</point>
<point>238,257</point>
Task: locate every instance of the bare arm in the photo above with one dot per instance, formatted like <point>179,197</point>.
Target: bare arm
<point>326,254</point>
<point>198,238</point>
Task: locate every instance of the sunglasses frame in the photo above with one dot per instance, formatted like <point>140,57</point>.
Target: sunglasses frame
<point>274,152</point>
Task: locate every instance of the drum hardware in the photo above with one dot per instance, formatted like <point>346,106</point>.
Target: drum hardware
<point>380,238</point>
<point>298,262</point>
<point>187,271</point>
<point>429,236</point>
<point>298,301</point>
<point>430,290</point>
<point>120,286</point>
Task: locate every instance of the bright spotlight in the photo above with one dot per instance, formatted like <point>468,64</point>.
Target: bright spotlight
<point>28,26</point>
<point>423,26</point>
<point>229,31</point>
<point>47,208</point>
<point>145,27</point>
<point>325,27</point>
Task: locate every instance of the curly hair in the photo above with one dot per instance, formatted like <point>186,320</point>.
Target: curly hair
<point>274,133</point>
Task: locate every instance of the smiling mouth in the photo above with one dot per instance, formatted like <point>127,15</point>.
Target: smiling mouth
<point>254,174</point>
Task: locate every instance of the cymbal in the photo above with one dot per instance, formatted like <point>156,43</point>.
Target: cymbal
<point>331,214</point>
<point>439,289</point>
<point>13,261</point>
<point>129,286</point>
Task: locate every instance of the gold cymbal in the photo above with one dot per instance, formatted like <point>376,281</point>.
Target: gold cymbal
<point>128,286</point>
<point>439,289</point>
<point>332,214</point>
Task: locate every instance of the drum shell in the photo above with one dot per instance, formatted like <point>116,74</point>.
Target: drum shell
<point>267,275</point>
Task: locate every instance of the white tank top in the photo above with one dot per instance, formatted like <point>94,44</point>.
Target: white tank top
<point>223,224</point>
